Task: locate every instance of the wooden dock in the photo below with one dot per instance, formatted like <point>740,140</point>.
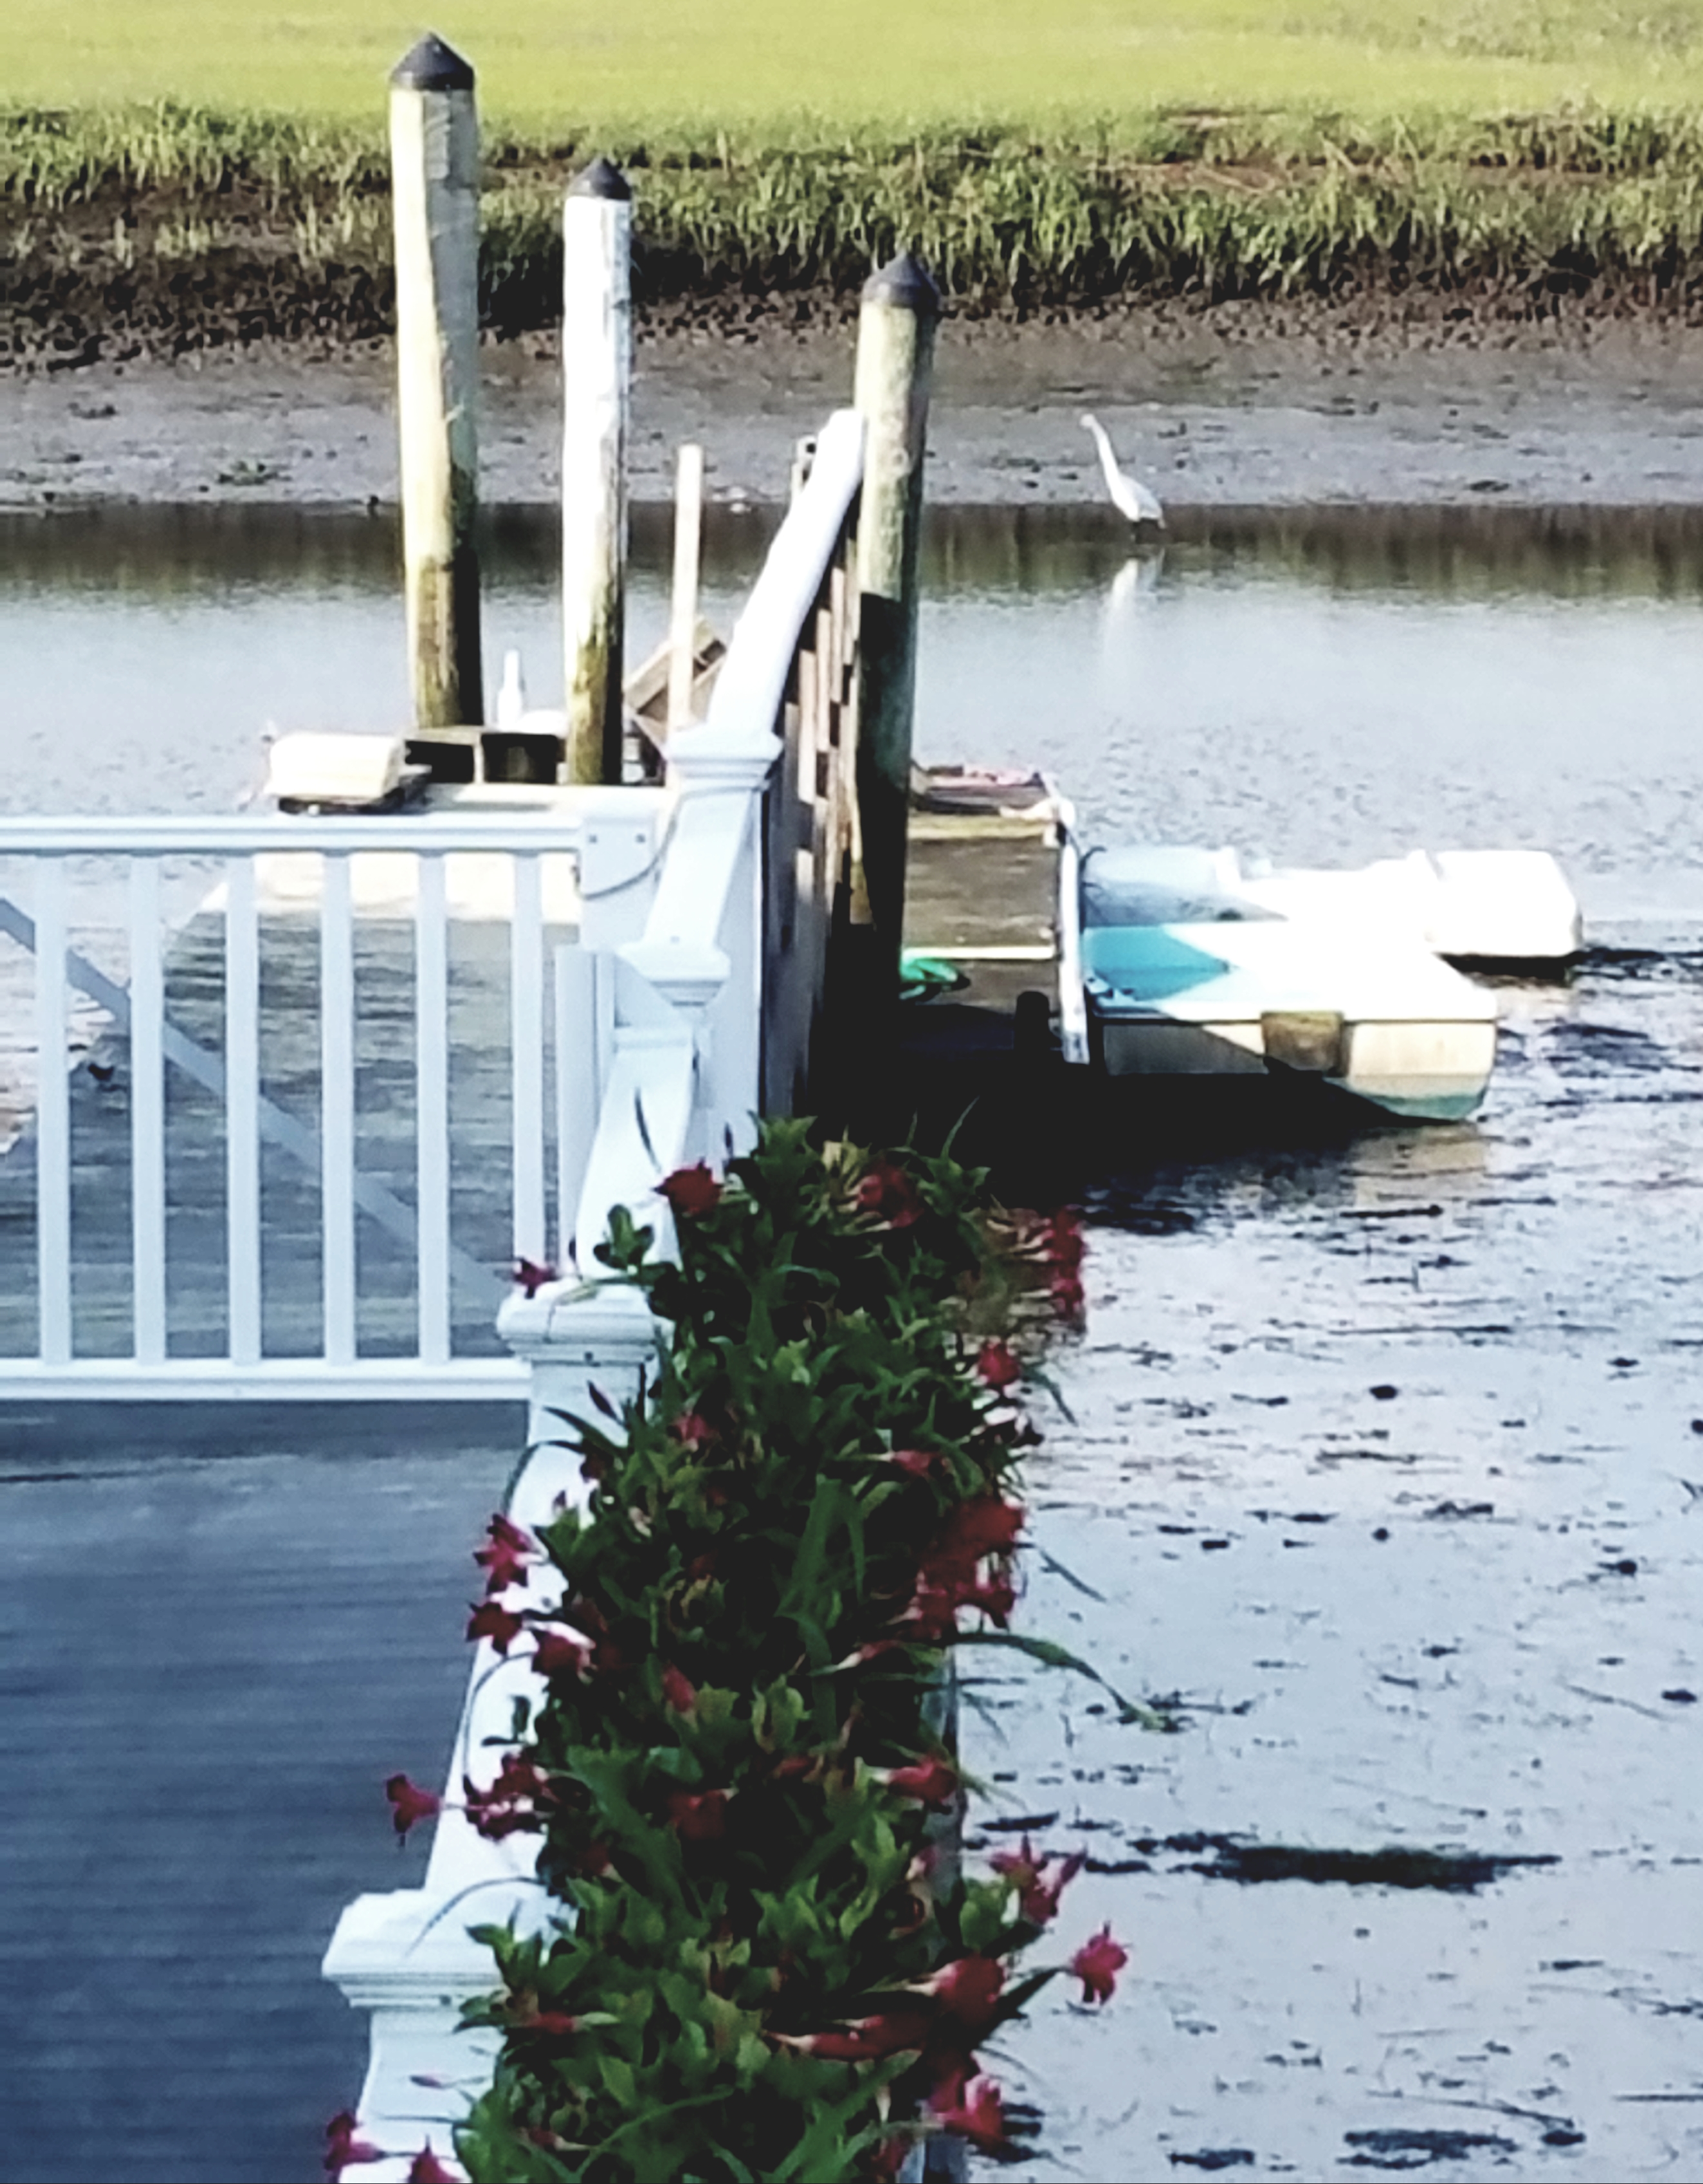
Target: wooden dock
<point>982,883</point>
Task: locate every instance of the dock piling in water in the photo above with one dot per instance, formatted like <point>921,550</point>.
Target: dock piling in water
<point>596,385</point>
<point>434,141</point>
<point>895,357</point>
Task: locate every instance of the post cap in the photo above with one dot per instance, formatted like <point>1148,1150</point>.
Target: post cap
<point>906,283</point>
<point>600,179</point>
<point>431,65</point>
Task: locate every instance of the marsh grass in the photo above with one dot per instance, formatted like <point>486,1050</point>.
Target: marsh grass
<point>181,225</point>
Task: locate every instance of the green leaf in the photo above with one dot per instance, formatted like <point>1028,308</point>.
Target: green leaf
<point>1053,1655</point>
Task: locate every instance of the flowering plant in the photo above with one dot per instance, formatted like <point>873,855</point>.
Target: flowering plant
<point>763,1959</point>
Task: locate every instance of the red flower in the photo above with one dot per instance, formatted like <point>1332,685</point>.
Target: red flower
<point>556,2022</point>
<point>973,2111</point>
<point>679,1694</point>
<point>700,1819</point>
<point>868,2039</point>
<point>505,1560</point>
<point>885,1190</point>
<point>889,2158</point>
<point>969,1988</point>
<point>561,1653</point>
<point>500,1624</point>
<point>1069,1297</point>
<point>409,1804</point>
<point>344,2150</point>
<point>1040,1881</point>
<point>693,1431</point>
<point>918,1462</point>
<point>931,1616</point>
<point>511,1803</point>
<point>594,1859</point>
<point>1097,1965</point>
<point>1064,1245</point>
<point>998,1366</point>
<point>996,1596</point>
<point>427,2169</point>
<point>690,1192</point>
<point>932,1782</point>
<point>976,1529</point>
<point>529,1276</point>
<point>992,1524</point>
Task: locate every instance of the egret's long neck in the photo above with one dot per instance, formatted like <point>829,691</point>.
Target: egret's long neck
<point>1108,461</point>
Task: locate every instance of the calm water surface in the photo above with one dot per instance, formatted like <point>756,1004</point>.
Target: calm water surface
<point>1321,687</point>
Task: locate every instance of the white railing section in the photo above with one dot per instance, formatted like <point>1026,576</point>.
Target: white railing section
<point>602,846</point>
<point>683,1024</point>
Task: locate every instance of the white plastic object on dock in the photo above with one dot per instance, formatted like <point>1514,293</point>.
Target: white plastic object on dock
<point>1482,906</point>
<point>311,766</point>
<point>1474,906</point>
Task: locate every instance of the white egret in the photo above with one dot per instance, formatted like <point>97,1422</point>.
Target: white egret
<point>1130,497</point>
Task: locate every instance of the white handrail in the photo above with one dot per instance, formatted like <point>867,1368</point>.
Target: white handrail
<point>753,679</point>
<point>252,833</point>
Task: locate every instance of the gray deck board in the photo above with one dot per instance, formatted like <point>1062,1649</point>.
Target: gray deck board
<point>221,1628</point>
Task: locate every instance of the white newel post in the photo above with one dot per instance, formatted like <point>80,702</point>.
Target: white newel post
<point>702,947</point>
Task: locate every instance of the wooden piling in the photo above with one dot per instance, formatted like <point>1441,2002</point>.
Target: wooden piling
<point>683,620</point>
<point>434,141</point>
<point>596,381</point>
<point>895,355</point>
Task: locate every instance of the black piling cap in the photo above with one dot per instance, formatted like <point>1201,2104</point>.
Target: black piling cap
<point>600,179</point>
<point>432,66</point>
<point>906,283</point>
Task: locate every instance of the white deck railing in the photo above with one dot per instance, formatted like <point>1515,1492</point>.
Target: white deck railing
<point>684,1004</point>
<point>277,880</point>
<point>708,1018</point>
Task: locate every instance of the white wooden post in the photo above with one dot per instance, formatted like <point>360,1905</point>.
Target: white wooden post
<point>596,378</point>
<point>338,1109</point>
<point>434,139</point>
<point>52,1117</point>
<point>242,1111</point>
<point>526,1060</point>
<point>147,1114</point>
<point>682,624</point>
<point>431,1109</point>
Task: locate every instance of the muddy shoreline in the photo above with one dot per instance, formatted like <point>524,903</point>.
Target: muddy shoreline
<point>1237,406</point>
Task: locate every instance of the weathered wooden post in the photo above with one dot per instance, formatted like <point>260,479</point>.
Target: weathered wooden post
<point>682,624</point>
<point>895,356</point>
<point>597,380</point>
<point>434,151</point>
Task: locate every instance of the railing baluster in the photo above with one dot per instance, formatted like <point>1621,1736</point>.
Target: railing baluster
<point>52,1117</point>
<point>338,1107</point>
<point>146,1115</point>
<point>242,1109</point>
<point>432,1051</point>
<point>577,1094</point>
<point>527,1030</point>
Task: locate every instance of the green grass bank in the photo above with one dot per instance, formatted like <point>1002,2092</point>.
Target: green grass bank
<point>190,172</point>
